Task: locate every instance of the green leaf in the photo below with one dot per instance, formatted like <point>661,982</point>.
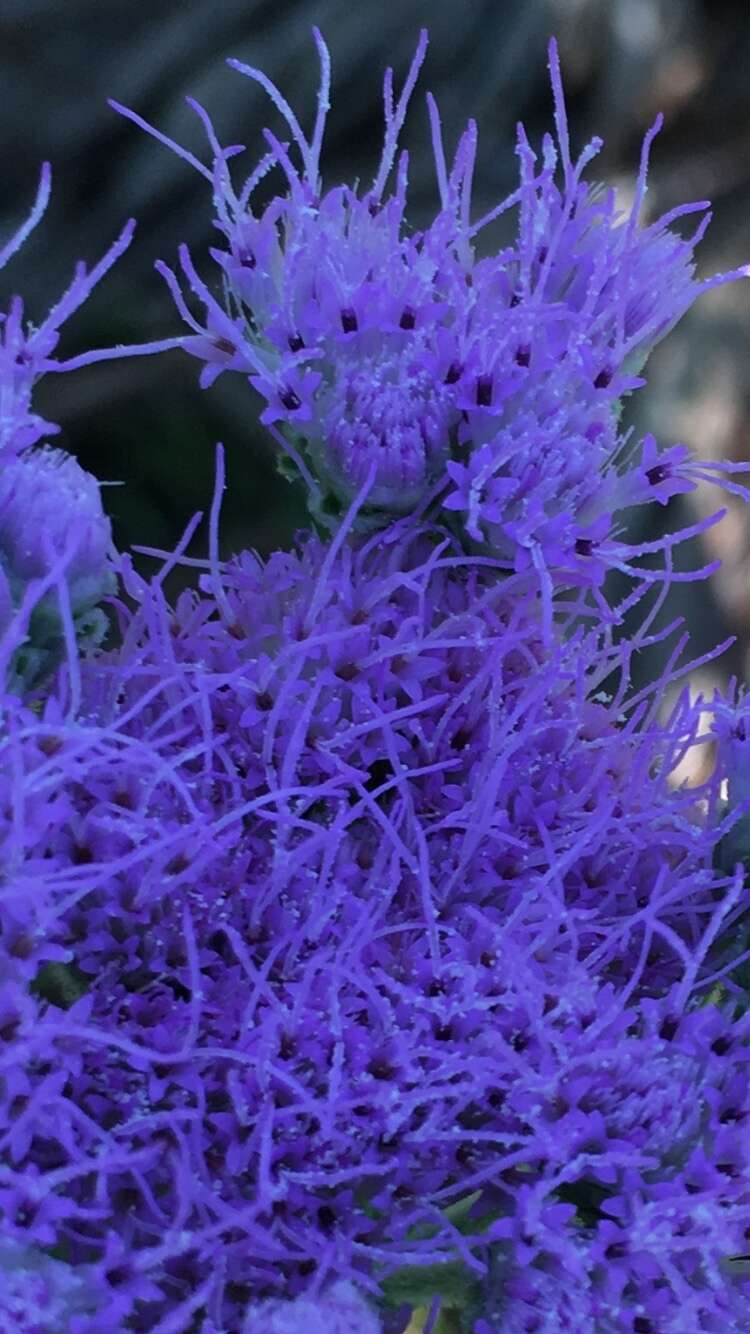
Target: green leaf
<point>458,1213</point>
<point>418,1285</point>
<point>62,984</point>
<point>588,1197</point>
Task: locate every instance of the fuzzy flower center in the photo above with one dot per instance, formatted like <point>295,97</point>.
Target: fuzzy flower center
<point>385,410</point>
<point>47,500</point>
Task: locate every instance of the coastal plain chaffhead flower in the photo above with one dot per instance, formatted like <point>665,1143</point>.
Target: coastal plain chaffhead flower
<point>357,952</point>
<point>26,349</point>
<point>358,894</point>
<point>55,539</point>
<point>53,533</point>
<point>489,386</point>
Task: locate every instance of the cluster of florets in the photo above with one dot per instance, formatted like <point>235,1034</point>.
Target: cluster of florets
<point>341,893</point>
<point>357,952</point>
<point>401,363</point>
<point>26,349</point>
<point>56,562</point>
<point>55,539</point>
<point>39,1293</point>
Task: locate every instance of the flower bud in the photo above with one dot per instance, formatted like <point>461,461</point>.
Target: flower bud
<point>51,515</point>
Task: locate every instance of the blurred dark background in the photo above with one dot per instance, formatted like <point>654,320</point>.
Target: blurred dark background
<point>145,422</point>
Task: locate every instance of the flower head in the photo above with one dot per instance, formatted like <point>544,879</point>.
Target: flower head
<point>40,1294</point>
<point>404,362</point>
<point>26,349</point>
<point>54,538</point>
<point>356,879</point>
<point>356,949</point>
<point>47,503</point>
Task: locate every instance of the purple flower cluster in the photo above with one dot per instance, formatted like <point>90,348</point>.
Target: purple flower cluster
<point>26,349</point>
<point>38,1293</point>
<point>56,562</point>
<point>404,363</point>
<point>358,954</point>
<point>55,539</point>
<point>375,903</point>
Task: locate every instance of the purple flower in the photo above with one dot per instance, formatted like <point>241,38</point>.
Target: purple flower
<point>54,537</point>
<point>56,562</point>
<point>48,503</point>
<point>356,951</point>
<point>399,362</point>
<point>38,1293</point>
<point>652,1233</point>
<point>362,884</point>
<point>26,349</point>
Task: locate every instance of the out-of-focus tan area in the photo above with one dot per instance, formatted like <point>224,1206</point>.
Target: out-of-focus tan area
<point>145,421</point>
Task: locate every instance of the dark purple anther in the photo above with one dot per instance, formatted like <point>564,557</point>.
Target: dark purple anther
<point>290,400</point>
<point>523,355</point>
<point>617,1250</point>
<point>349,320</point>
<point>659,473</point>
<point>454,372</point>
<point>296,342</point>
<point>603,378</point>
<point>408,319</point>
<point>484,391</point>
